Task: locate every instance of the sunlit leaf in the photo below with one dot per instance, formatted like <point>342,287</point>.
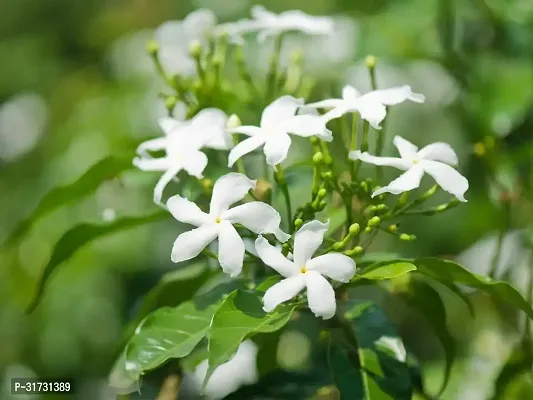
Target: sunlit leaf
<point>385,271</point>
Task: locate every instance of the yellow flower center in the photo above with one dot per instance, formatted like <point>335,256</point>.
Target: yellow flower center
<point>217,220</point>
<point>415,161</point>
<point>303,269</point>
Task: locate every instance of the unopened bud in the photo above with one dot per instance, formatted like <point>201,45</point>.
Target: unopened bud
<point>328,175</point>
<point>337,245</point>
<point>322,193</point>
<point>263,190</point>
<point>479,149</point>
<point>195,49</point>
<point>313,140</point>
<point>381,207</point>
<point>197,85</point>
<point>170,102</point>
<point>206,183</point>
<point>374,221</point>
<point>393,228</point>
<point>322,205</point>
<point>407,238</point>
<point>364,186</point>
<point>368,229</point>
<point>370,61</point>
<point>233,122</point>
<point>298,223</point>
<point>354,229</point>
<point>217,61</point>
<point>318,157</point>
<point>152,47</point>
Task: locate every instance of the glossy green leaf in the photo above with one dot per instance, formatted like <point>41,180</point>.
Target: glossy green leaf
<point>385,271</point>
<point>173,332</point>
<point>77,237</point>
<point>86,184</point>
<point>240,317</point>
<point>373,366</point>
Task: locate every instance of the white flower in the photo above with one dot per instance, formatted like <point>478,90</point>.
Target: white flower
<point>305,271</point>
<point>277,121</point>
<point>371,106</point>
<point>434,159</point>
<point>271,24</point>
<point>256,216</point>
<point>210,123</point>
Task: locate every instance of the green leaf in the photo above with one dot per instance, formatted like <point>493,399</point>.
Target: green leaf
<point>426,300</point>
<point>519,361</point>
<point>372,258</point>
<point>374,366</point>
<point>86,184</point>
<point>240,317</point>
<point>79,236</point>
<point>173,332</point>
<point>385,271</point>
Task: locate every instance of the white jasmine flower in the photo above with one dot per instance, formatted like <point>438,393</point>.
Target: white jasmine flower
<point>305,271</point>
<point>277,121</point>
<point>371,106</point>
<point>435,159</point>
<point>210,124</point>
<point>256,216</point>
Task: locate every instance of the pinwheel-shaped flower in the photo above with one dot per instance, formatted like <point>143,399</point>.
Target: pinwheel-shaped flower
<point>277,121</point>
<point>371,106</point>
<point>256,216</point>
<point>435,159</point>
<point>305,271</point>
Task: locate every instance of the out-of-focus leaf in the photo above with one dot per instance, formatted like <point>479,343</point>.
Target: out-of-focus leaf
<point>375,366</point>
<point>337,218</point>
<point>77,237</point>
<point>372,258</point>
<point>86,184</point>
<point>268,283</point>
<point>240,317</point>
<point>120,379</point>
<point>385,271</point>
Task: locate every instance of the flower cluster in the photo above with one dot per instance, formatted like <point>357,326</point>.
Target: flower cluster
<point>210,128</point>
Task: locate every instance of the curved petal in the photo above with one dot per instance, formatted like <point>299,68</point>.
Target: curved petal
<point>245,147</point>
<point>272,257</point>
<point>283,291</point>
<point>388,161</point>
<point>187,211</point>
<point>152,145</point>
<point>320,295</point>
<point>276,148</point>
<point>306,126</point>
<point>338,111</point>
<point>261,13</point>
<point>350,93</point>
<point>198,22</point>
<point>336,266</point>
<point>259,217</point>
<point>394,96</point>
<point>168,125</point>
<point>280,109</point>
<point>211,124</point>
<point>189,244</point>
<point>151,164</point>
<point>406,149</point>
<point>248,130</point>
<point>447,177</point>
<point>328,103</point>
<point>194,162</point>
<point>230,249</point>
<point>164,181</point>
<point>229,189</point>
<point>409,180</point>
<point>439,151</point>
<point>307,240</point>
<point>372,111</point>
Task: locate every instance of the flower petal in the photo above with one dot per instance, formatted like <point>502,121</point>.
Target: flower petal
<point>189,244</point>
<point>198,22</point>
<point>439,151</point>
<point>187,211</point>
<point>164,181</point>
<point>152,145</point>
<point>320,295</point>
<point>372,111</point>
<point>258,217</point>
<point>272,257</point>
<point>230,249</point>
<point>349,93</point>
<point>283,291</point>
<point>388,161</point>
<point>338,111</point>
<point>280,109</point>
<point>447,177</point>
<point>245,147</point>
<point>336,266</point>
<point>406,149</point>
<point>307,240</point>
<point>276,148</point>
<point>261,13</point>
<point>151,164</point>
<point>394,96</point>
<point>168,125</point>
<point>327,103</point>
<point>211,123</point>
<point>306,126</point>
<point>194,162</point>
<point>229,189</point>
<point>409,180</point>
<point>248,130</point>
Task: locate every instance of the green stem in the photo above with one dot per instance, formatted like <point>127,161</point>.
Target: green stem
<point>272,74</point>
<point>353,142</point>
<point>282,183</point>
<point>364,147</point>
<point>239,163</point>
<point>209,254</point>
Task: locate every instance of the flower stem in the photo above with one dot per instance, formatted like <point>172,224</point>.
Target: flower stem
<point>272,75</point>
<point>364,147</point>
<point>499,244</point>
<point>353,142</point>
<point>239,163</point>
<point>282,183</point>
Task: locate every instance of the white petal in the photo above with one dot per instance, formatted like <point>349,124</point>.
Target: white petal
<point>320,295</point>
<point>372,111</point>
<point>306,126</point>
<point>406,149</point>
<point>447,177</point>
<point>198,22</point>
<point>272,257</point>
<point>211,123</point>
<point>283,291</point>
<point>257,216</point>
<point>280,109</point>
<point>336,266</point>
<point>328,103</point>
<point>164,181</point>
<point>229,189</point>
<point>307,240</point>
<point>194,162</point>
<point>409,180</point>
<point>276,148</point>
<point>260,12</point>
<point>151,145</point>
<point>248,130</point>
<point>169,125</point>
<point>310,24</point>
<point>339,111</point>
<point>388,161</point>
<point>245,147</point>
<point>151,164</point>
<point>230,249</point>
<point>439,151</point>
<point>189,244</point>
<point>187,211</point>
<point>350,93</point>
<point>268,32</point>
<point>394,96</point>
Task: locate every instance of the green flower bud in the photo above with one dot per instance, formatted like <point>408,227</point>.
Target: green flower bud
<point>206,184</point>
<point>233,122</point>
<point>195,49</point>
<point>196,85</point>
<point>374,221</point>
<point>170,102</point>
<point>328,175</point>
<point>407,238</point>
<point>217,61</point>
<point>357,250</point>
<point>337,245</point>
<point>322,193</point>
<point>298,223</point>
<point>322,205</point>
<point>381,207</point>
<point>368,229</point>
<point>364,186</point>
<point>370,61</point>
<point>313,140</point>
<point>263,190</point>
<point>354,229</point>
<point>318,157</point>
<point>152,47</point>
<point>393,228</point>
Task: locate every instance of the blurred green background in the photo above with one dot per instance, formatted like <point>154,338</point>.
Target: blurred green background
<point>76,85</point>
